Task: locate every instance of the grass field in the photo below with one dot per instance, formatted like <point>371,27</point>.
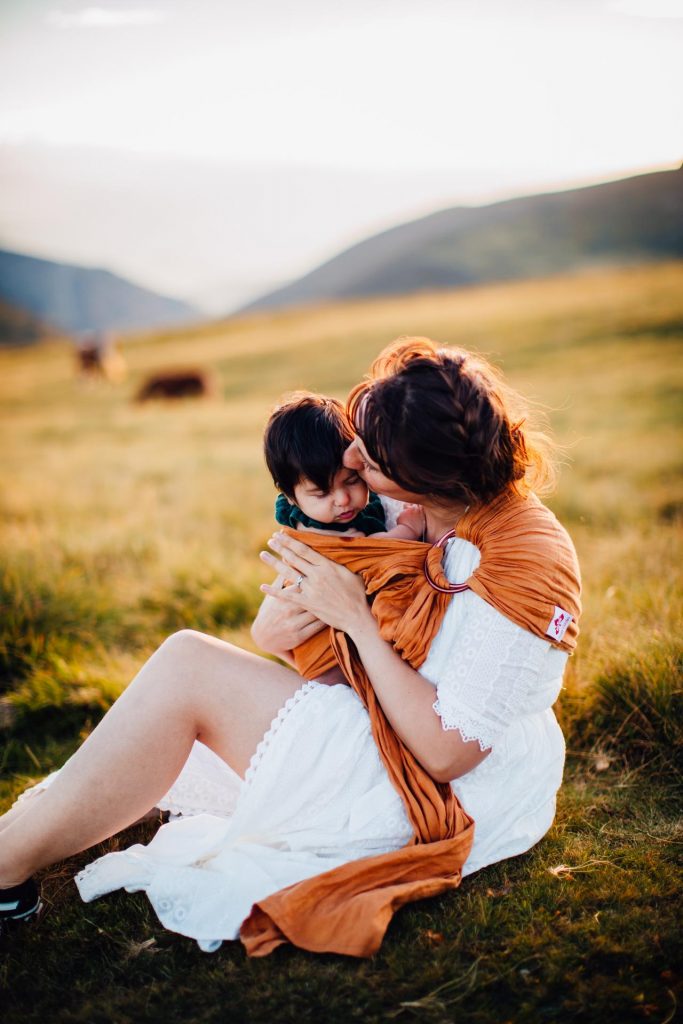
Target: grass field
<point>121,523</point>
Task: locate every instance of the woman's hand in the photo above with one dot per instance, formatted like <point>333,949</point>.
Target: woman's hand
<point>326,590</point>
<point>279,627</point>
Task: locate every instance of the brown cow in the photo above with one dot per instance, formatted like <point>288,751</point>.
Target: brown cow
<point>98,356</point>
<point>174,384</point>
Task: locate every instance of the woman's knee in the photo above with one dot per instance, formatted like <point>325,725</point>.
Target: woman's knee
<point>193,646</point>
<point>184,643</point>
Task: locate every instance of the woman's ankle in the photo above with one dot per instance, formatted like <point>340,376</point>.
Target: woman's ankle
<point>14,868</point>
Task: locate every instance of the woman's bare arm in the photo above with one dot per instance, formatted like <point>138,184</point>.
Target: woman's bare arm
<point>407,698</point>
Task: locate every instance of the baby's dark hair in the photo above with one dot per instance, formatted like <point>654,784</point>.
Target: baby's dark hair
<point>306,436</point>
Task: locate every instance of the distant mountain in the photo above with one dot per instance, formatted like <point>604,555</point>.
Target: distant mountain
<point>633,220</point>
<point>17,327</point>
<point>72,298</point>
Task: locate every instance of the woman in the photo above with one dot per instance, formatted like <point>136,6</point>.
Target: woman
<point>285,781</point>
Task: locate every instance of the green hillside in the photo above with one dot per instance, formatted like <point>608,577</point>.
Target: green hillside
<point>17,327</point>
<point>613,224</point>
<point>72,298</point>
<point>121,523</point>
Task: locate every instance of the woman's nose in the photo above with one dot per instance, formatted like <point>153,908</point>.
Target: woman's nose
<point>352,459</point>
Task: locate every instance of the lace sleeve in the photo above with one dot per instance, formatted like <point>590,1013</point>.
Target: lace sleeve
<point>487,671</point>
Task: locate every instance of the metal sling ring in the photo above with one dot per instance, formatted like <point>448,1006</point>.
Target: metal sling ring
<point>450,588</point>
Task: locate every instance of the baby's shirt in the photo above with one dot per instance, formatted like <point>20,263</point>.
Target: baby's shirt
<point>370,520</point>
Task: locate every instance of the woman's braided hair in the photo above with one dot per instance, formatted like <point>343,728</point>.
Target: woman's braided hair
<point>442,422</point>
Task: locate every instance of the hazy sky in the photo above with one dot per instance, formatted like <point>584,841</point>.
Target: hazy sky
<point>252,139</point>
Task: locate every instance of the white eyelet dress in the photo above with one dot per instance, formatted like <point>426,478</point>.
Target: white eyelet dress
<point>316,794</point>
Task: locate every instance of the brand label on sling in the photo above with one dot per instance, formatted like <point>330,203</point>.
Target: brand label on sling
<point>558,624</point>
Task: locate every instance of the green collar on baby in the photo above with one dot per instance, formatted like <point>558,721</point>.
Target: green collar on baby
<point>370,520</point>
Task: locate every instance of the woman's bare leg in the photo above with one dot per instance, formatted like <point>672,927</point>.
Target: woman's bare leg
<point>193,687</point>
<point>16,812</point>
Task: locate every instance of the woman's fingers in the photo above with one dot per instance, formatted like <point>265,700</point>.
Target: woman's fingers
<point>282,593</point>
<point>282,625</point>
<point>311,628</point>
<point>300,618</point>
<point>293,561</point>
<point>293,551</point>
<point>285,572</point>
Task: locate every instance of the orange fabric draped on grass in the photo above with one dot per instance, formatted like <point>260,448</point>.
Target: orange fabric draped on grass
<point>528,571</point>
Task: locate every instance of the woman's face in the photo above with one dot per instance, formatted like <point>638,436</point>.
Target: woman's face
<point>357,458</point>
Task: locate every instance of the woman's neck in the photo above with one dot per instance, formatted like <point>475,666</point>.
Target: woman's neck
<point>439,519</point>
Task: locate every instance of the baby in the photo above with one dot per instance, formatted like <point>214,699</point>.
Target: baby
<point>304,444</point>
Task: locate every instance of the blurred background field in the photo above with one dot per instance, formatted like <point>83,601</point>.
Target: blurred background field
<point>123,522</point>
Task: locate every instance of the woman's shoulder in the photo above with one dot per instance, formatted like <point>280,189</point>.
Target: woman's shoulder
<point>529,569</point>
<point>522,521</point>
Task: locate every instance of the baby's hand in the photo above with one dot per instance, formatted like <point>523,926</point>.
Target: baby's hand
<point>412,516</point>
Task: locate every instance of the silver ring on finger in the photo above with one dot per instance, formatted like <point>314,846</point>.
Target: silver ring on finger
<point>299,581</point>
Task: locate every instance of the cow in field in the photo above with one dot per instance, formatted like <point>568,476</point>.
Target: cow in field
<point>97,356</point>
<point>172,384</point>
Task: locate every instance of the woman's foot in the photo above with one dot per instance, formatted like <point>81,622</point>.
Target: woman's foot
<point>19,902</point>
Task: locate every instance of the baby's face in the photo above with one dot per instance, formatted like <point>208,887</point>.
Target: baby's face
<point>347,496</point>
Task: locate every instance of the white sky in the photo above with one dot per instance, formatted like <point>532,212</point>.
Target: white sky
<point>412,104</point>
